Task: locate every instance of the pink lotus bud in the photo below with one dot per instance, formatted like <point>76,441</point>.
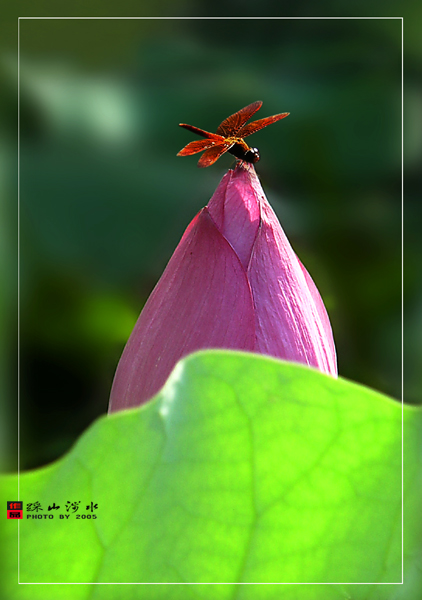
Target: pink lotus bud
<point>233,282</point>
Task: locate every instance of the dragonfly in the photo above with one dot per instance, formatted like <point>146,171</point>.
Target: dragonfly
<point>229,137</point>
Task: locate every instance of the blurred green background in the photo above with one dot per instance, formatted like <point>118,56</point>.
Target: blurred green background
<point>104,200</point>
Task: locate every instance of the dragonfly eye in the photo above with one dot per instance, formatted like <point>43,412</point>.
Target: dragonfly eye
<point>252,155</point>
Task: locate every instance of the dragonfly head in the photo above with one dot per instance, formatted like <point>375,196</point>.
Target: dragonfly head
<point>252,155</point>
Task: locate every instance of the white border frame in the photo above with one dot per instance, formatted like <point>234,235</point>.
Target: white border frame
<point>402,315</point>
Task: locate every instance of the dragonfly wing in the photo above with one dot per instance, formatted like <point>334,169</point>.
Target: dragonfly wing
<point>260,124</point>
<point>197,146</point>
<point>231,125</point>
<point>210,156</point>
<point>202,132</point>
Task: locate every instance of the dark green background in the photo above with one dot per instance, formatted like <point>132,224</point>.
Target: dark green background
<point>104,199</point>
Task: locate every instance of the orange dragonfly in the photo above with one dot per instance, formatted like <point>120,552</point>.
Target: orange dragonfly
<point>229,137</point>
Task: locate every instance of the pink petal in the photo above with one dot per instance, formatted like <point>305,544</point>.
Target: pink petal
<point>325,321</point>
<point>235,210</point>
<point>203,300</point>
<point>291,320</point>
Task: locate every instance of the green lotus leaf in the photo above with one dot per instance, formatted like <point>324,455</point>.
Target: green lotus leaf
<point>243,470</point>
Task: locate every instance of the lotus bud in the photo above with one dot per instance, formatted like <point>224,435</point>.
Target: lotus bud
<point>233,282</point>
